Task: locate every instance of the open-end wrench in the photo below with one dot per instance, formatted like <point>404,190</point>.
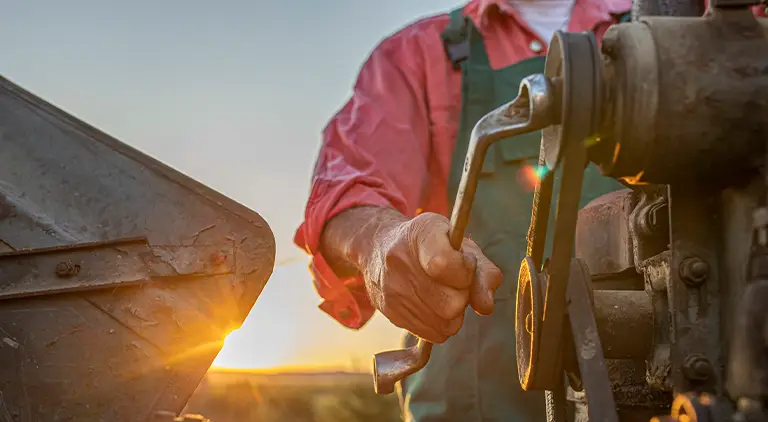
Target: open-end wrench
<point>529,112</point>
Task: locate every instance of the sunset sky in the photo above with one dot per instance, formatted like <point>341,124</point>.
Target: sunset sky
<point>225,91</point>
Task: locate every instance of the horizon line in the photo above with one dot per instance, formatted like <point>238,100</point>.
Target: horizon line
<point>292,370</point>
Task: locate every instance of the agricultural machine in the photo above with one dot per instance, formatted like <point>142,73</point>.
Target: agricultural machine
<point>652,302</point>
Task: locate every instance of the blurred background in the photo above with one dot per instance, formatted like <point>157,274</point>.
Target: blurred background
<point>233,93</point>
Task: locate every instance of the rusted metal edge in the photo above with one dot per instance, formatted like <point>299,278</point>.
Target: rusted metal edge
<point>76,246</point>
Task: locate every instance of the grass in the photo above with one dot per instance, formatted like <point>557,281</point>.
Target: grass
<point>226,396</point>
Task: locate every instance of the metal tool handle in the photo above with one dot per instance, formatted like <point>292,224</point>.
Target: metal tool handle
<point>529,112</point>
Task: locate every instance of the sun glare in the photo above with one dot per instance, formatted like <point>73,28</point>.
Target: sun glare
<point>244,351</point>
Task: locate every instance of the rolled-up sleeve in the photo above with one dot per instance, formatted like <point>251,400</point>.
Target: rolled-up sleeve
<point>373,152</point>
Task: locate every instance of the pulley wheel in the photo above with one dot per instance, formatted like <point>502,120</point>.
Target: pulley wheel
<point>528,314</point>
<point>573,65</point>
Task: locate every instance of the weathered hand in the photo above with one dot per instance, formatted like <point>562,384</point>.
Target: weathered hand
<point>421,284</point>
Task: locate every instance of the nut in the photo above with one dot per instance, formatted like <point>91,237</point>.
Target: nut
<point>694,271</point>
<point>697,368</point>
<point>66,269</point>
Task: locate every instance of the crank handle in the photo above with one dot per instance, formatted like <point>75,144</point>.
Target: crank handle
<point>392,366</point>
<point>529,112</point>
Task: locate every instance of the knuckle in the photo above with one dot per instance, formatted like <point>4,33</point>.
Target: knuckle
<point>425,224</point>
<point>453,308</point>
<point>437,265</point>
<point>424,220</point>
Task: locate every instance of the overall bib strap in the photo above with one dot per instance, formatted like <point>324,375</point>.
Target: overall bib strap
<point>460,37</point>
<point>466,50</point>
<point>455,40</point>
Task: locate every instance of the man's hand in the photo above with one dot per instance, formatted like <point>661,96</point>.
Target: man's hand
<point>418,281</point>
<point>413,275</point>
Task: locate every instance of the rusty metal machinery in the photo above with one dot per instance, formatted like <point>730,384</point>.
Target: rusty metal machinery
<point>652,303</point>
<point>119,277</point>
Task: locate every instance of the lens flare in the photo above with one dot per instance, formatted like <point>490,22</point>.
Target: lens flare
<point>528,176</point>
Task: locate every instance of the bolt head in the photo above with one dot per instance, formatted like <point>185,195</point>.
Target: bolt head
<point>697,368</point>
<point>694,271</point>
<point>67,269</point>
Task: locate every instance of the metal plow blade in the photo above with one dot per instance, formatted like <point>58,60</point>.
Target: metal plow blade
<point>119,276</point>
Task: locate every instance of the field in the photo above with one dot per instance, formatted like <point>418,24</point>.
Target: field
<point>226,396</point>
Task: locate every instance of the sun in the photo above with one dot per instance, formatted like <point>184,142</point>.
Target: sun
<point>246,350</point>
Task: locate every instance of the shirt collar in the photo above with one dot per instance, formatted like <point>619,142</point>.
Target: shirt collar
<point>594,11</point>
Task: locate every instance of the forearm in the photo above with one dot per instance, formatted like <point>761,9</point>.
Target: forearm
<point>350,237</point>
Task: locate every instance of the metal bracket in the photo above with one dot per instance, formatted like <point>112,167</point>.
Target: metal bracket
<point>108,264</point>
<point>695,288</point>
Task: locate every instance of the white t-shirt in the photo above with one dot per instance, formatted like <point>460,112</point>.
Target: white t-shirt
<point>544,16</point>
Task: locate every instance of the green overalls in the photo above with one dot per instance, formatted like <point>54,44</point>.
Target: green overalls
<point>472,377</point>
